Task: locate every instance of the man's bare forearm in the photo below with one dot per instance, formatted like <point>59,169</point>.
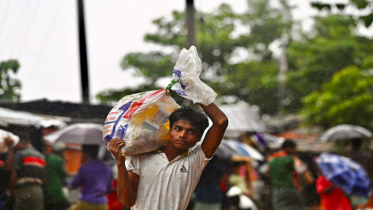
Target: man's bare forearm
<point>217,130</point>
<point>125,190</point>
<point>9,159</point>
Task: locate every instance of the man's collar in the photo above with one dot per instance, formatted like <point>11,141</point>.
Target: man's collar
<point>184,154</point>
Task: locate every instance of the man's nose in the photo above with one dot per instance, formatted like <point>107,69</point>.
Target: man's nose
<point>183,134</point>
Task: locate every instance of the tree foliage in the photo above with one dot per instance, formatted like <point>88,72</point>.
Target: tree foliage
<point>346,99</point>
<point>314,60</point>
<point>9,86</point>
<point>360,5</point>
<point>223,37</point>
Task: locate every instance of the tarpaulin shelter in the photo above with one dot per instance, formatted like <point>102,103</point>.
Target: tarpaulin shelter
<point>243,119</point>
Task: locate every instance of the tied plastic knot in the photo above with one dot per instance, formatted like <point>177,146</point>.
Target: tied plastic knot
<point>169,86</point>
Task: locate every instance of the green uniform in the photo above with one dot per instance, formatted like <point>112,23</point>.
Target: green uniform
<point>281,171</point>
<point>56,171</point>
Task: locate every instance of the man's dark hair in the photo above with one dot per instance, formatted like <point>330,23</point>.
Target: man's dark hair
<point>197,119</point>
<point>23,136</point>
<point>289,143</point>
<point>235,164</point>
<point>91,150</point>
<point>356,143</point>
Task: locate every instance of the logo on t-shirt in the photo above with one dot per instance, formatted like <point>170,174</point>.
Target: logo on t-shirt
<point>183,169</point>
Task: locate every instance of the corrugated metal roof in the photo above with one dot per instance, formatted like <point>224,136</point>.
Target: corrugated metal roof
<point>242,118</point>
<point>9,116</point>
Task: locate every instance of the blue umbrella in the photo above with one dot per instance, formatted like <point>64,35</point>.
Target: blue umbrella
<point>228,148</point>
<point>345,174</point>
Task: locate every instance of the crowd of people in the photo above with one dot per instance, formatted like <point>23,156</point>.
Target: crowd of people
<point>286,180</point>
<point>33,180</point>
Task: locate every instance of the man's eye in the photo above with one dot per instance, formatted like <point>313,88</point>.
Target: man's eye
<point>192,131</point>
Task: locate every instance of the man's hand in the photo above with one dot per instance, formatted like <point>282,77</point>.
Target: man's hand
<point>9,142</point>
<point>114,147</point>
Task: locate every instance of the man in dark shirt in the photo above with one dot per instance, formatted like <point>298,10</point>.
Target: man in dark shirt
<point>5,172</point>
<point>28,176</point>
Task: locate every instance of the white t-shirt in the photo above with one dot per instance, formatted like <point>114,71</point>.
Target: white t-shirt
<point>165,185</point>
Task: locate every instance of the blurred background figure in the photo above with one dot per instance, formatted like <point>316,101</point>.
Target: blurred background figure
<point>6,162</point>
<point>208,194</point>
<point>94,178</point>
<point>309,176</point>
<point>285,195</point>
<point>332,198</point>
<point>237,182</point>
<point>54,196</point>
<point>360,155</point>
<point>28,176</point>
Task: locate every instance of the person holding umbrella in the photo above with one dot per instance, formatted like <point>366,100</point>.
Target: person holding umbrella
<point>342,172</point>
<point>94,178</point>
<point>332,197</point>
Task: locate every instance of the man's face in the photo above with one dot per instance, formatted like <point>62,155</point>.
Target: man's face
<point>289,150</point>
<point>183,135</point>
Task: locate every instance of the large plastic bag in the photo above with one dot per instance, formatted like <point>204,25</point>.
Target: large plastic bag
<point>141,120</point>
<point>186,78</point>
<point>3,135</point>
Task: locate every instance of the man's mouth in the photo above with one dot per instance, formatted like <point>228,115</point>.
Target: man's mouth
<point>181,142</point>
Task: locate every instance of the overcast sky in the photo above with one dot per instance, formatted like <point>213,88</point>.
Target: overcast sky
<point>43,36</point>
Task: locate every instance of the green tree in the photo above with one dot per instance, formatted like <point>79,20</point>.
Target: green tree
<point>346,99</point>
<point>313,60</point>
<point>221,37</point>
<point>9,86</point>
<point>364,6</point>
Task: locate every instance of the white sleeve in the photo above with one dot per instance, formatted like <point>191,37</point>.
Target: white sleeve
<point>133,164</point>
<point>199,156</point>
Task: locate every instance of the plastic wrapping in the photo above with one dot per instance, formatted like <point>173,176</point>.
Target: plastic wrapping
<point>4,134</point>
<point>186,73</point>
<point>141,120</point>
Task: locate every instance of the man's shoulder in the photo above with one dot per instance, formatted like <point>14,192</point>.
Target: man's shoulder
<point>195,148</point>
<point>54,156</point>
<point>280,160</point>
<point>30,151</point>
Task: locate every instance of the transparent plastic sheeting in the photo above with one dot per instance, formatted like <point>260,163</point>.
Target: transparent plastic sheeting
<point>3,135</point>
<point>186,72</point>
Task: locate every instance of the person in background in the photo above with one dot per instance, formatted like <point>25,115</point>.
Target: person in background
<point>332,198</point>
<point>208,194</point>
<point>56,172</point>
<point>310,196</point>
<point>5,173</point>
<point>235,179</point>
<point>94,178</point>
<point>364,158</point>
<point>281,169</point>
<point>28,176</point>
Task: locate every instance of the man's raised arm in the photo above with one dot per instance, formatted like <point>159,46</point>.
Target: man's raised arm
<point>215,134</point>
